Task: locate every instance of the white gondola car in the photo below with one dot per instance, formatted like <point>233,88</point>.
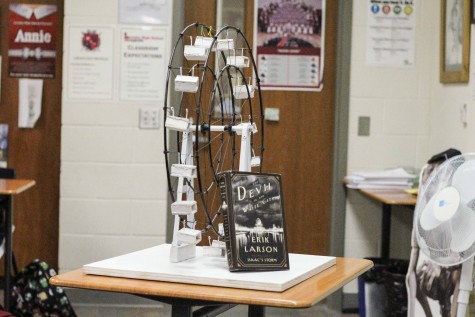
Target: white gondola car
<point>255,161</point>
<point>183,170</point>
<point>184,207</point>
<point>224,44</point>
<point>189,236</point>
<point>204,41</point>
<point>238,61</point>
<point>240,91</point>
<point>196,53</point>
<point>186,83</point>
<point>177,123</point>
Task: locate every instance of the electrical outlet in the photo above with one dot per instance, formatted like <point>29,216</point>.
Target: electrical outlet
<point>149,118</point>
<point>364,124</point>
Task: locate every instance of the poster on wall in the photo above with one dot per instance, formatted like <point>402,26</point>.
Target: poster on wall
<point>144,11</point>
<point>32,40</point>
<point>90,67</point>
<point>30,95</point>
<point>142,64</point>
<point>289,40</point>
<point>391,33</point>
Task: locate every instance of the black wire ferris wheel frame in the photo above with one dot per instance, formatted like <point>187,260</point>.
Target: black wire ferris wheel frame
<point>201,126</point>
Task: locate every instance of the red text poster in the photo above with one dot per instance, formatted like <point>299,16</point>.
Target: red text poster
<point>32,40</point>
<point>289,43</point>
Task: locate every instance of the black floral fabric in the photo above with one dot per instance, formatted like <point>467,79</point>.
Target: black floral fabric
<point>34,296</point>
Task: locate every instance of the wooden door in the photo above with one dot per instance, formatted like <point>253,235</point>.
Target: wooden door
<point>34,154</point>
<point>300,145</point>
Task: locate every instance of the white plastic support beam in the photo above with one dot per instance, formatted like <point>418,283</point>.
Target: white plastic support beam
<point>245,155</point>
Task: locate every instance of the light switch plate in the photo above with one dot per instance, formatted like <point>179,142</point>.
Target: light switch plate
<point>149,118</point>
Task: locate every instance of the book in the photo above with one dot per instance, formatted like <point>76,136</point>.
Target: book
<point>254,222</point>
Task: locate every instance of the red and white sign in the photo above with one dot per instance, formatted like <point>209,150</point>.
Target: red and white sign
<point>32,40</point>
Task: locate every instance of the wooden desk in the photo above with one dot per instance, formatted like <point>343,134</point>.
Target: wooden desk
<point>184,296</point>
<point>9,188</point>
<point>388,198</point>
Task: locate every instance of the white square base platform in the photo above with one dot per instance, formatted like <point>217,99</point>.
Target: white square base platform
<point>154,264</point>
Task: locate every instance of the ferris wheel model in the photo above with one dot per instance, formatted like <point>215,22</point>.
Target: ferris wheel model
<point>213,122</point>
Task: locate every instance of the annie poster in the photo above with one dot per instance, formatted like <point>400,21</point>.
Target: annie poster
<point>32,40</point>
<point>289,39</point>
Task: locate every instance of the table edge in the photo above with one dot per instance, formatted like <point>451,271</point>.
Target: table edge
<point>410,201</point>
<point>224,295</point>
<point>21,189</point>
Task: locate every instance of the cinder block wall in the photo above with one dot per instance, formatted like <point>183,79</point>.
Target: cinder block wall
<point>413,116</point>
<point>398,102</point>
<point>113,181</point>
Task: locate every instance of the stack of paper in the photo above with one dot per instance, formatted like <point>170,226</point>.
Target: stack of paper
<point>394,178</point>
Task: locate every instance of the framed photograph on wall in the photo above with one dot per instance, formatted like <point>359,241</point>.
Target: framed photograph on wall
<point>455,41</point>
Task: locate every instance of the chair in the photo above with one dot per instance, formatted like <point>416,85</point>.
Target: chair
<point>7,173</point>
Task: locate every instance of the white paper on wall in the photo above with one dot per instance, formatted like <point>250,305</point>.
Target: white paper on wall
<point>90,66</point>
<point>29,102</point>
<point>144,11</point>
<point>143,64</point>
<point>391,33</point>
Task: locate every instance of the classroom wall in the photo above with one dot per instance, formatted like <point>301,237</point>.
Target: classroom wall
<point>113,180</point>
<point>113,191</point>
<point>447,129</point>
<point>398,102</point>
<point>413,116</point>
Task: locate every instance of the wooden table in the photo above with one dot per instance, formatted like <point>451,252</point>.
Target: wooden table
<point>388,198</point>
<point>10,188</point>
<point>215,299</point>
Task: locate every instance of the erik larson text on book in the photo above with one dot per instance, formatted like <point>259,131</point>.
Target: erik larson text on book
<point>254,223</point>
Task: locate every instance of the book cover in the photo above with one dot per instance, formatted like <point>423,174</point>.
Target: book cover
<point>254,223</point>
